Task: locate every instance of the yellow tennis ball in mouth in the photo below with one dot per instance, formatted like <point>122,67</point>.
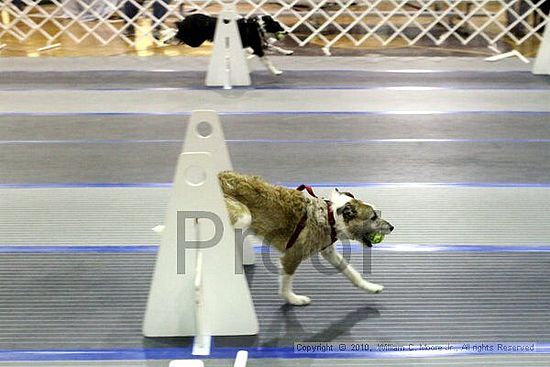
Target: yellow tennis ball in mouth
<point>280,36</point>
<point>376,237</point>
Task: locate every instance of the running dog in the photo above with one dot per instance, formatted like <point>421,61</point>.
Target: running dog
<point>257,33</point>
<point>299,226</point>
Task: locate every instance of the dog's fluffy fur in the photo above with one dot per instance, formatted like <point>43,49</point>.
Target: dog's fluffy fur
<point>272,212</point>
<point>195,29</point>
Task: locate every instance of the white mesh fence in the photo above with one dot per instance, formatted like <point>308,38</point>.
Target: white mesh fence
<point>323,22</point>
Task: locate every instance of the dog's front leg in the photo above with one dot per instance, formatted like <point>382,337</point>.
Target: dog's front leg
<point>288,267</point>
<point>336,260</point>
<point>269,65</point>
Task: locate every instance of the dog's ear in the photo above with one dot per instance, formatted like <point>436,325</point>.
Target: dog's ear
<point>334,195</point>
<point>268,19</point>
<point>348,211</point>
<point>339,198</point>
<point>272,25</point>
<point>348,194</point>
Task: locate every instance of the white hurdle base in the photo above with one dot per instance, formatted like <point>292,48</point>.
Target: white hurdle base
<point>240,361</point>
<point>225,305</point>
<point>228,66</point>
<point>542,62</point>
<point>189,279</point>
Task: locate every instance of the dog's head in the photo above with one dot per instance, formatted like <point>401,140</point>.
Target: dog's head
<point>357,219</point>
<point>176,35</point>
<point>274,27</point>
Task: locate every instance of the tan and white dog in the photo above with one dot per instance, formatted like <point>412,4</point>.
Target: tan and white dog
<point>299,225</point>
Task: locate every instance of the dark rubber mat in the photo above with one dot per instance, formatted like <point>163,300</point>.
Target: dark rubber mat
<point>129,162</point>
<point>80,301</point>
<point>261,79</point>
<point>69,149</point>
<point>511,360</point>
<point>280,126</point>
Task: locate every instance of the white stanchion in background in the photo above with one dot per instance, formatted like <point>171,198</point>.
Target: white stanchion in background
<point>228,66</point>
<point>199,290</point>
<point>205,134</point>
<point>542,62</point>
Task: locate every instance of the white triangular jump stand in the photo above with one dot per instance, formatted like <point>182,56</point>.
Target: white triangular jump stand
<point>542,62</point>
<point>228,66</point>
<point>205,134</point>
<point>198,290</point>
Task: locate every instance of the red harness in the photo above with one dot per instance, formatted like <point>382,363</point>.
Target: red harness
<point>302,223</point>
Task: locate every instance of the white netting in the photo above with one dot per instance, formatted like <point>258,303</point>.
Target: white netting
<point>323,22</point>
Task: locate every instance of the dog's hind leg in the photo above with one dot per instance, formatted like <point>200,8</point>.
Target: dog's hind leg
<point>335,259</point>
<point>289,265</point>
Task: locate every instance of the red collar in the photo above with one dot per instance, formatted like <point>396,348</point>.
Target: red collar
<point>302,223</point>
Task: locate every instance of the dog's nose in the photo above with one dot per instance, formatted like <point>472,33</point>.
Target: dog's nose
<point>391,228</point>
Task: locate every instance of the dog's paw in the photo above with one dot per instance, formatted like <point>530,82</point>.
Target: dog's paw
<point>276,71</point>
<point>371,287</point>
<point>297,300</point>
<point>376,288</point>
